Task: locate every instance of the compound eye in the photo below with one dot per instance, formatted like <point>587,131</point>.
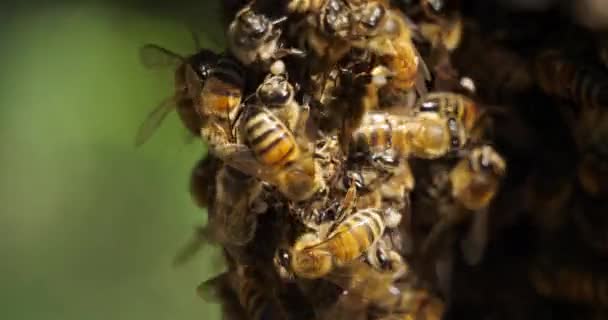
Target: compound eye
<point>284,258</point>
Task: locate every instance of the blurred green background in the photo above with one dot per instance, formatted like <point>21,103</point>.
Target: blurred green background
<point>89,224</point>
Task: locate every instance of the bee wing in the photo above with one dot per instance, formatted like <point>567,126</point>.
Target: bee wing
<point>153,56</point>
<point>211,289</point>
<point>243,159</point>
<point>197,242</point>
<point>153,120</point>
<point>361,281</point>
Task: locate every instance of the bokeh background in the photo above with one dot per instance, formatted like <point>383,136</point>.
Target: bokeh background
<point>89,224</point>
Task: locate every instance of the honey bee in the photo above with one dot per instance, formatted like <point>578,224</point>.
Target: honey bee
<point>385,138</point>
<point>253,38</point>
<point>232,218</point>
<point>570,284</point>
<point>395,300</point>
<point>190,70</point>
<point>386,32</point>
<point>254,295</point>
<point>561,77</point>
<point>278,96</point>
<point>325,28</point>
<point>251,290</point>
<point>269,151</point>
<point>474,182</point>
<point>314,257</point>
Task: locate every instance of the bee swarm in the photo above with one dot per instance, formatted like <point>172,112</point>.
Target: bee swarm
<point>422,159</point>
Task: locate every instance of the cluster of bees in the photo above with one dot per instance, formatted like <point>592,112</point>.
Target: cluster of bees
<point>358,153</point>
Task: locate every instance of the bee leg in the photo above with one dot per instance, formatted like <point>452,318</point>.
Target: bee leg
<point>347,205</point>
<point>474,244</point>
<point>385,161</point>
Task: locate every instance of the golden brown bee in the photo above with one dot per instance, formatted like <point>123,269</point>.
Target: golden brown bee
<point>474,181</point>
<point>395,300</point>
<point>190,71</point>
<point>451,105</point>
<point>313,256</point>
<point>254,38</point>
<point>278,96</point>
<point>269,151</point>
<point>386,138</point>
<point>570,284</point>
<point>325,28</point>
<point>386,32</point>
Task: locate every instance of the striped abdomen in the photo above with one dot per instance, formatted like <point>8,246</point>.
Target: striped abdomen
<point>450,105</point>
<point>354,236</point>
<point>304,6</point>
<point>222,90</point>
<point>563,78</point>
<point>270,140</point>
<point>374,134</point>
<point>257,300</point>
<point>575,286</point>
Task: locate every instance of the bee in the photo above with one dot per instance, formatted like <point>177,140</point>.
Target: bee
<point>385,138</point>
<point>474,182</point>
<point>387,33</point>
<point>250,289</point>
<point>232,218</point>
<point>325,28</point>
<point>570,284</point>
<point>452,106</point>
<point>190,71</point>
<point>253,38</point>
<point>393,300</point>
<point>254,295</point>
<point>314,257</point>
<point>277,94</point>
<point>561,77</point>
<point>268,150</point>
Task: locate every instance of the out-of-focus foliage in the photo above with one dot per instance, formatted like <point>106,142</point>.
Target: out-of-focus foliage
<point>88,224</point>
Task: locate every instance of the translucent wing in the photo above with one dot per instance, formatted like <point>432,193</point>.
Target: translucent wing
<point>242,158</point>
<point>153,120</point>
<point>197,242</point>
<point>211,290</point>
<point>153,56</point>
<point>363,282</point>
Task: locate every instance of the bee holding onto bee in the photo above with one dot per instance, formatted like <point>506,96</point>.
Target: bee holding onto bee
<point>440,125</point>
<point>314,255</point>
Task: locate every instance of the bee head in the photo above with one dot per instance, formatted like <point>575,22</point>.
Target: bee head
<point>275,91</point>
